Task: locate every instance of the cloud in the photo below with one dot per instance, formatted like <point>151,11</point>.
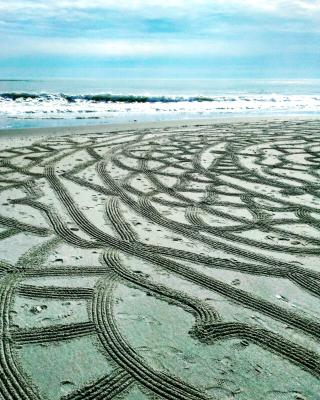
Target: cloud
<point>170,8</point>
<point>199,29</point>
<point>116,18</point>
<point>172,48</point>
<point>79,47</point>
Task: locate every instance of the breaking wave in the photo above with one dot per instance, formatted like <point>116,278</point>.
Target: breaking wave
<point>25,105</point>
<point>112,98</point>
<point>131,98</point>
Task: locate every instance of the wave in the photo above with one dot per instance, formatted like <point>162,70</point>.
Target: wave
<point>25,105</point>
<point>133,98</point>
<point>120,98</point>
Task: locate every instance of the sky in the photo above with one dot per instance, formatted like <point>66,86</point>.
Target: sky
<point>160,39</point>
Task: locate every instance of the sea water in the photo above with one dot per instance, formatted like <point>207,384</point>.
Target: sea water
<point>65,102</point>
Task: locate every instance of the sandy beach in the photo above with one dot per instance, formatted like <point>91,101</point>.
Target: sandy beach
<point>161,261</point>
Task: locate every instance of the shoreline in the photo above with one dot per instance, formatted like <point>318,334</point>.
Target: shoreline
<point>105,128</point>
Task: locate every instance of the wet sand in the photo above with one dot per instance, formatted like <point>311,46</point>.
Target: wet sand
<point>168,260</point>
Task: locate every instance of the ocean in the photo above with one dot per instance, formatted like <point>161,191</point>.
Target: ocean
<point>67,102</point>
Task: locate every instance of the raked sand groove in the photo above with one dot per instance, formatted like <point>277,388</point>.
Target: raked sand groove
<point>185,261</point>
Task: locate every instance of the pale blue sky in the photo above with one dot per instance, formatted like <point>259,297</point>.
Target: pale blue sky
<point>165,39</point>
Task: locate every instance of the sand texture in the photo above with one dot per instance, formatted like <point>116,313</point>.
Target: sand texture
<point>170,263</point>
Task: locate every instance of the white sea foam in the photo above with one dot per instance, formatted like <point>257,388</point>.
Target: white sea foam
<point>30,106</point>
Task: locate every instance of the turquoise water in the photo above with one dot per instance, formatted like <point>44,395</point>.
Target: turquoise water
<point>45,103</point>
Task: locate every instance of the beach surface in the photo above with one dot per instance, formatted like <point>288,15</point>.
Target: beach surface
<point>161,261</point>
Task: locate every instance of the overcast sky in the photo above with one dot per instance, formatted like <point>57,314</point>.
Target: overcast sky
<point>157,38</point>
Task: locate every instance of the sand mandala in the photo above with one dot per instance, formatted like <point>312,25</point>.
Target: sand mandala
<point>165,263</point>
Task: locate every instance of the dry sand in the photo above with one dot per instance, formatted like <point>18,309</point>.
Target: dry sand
<point>161,261</point>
